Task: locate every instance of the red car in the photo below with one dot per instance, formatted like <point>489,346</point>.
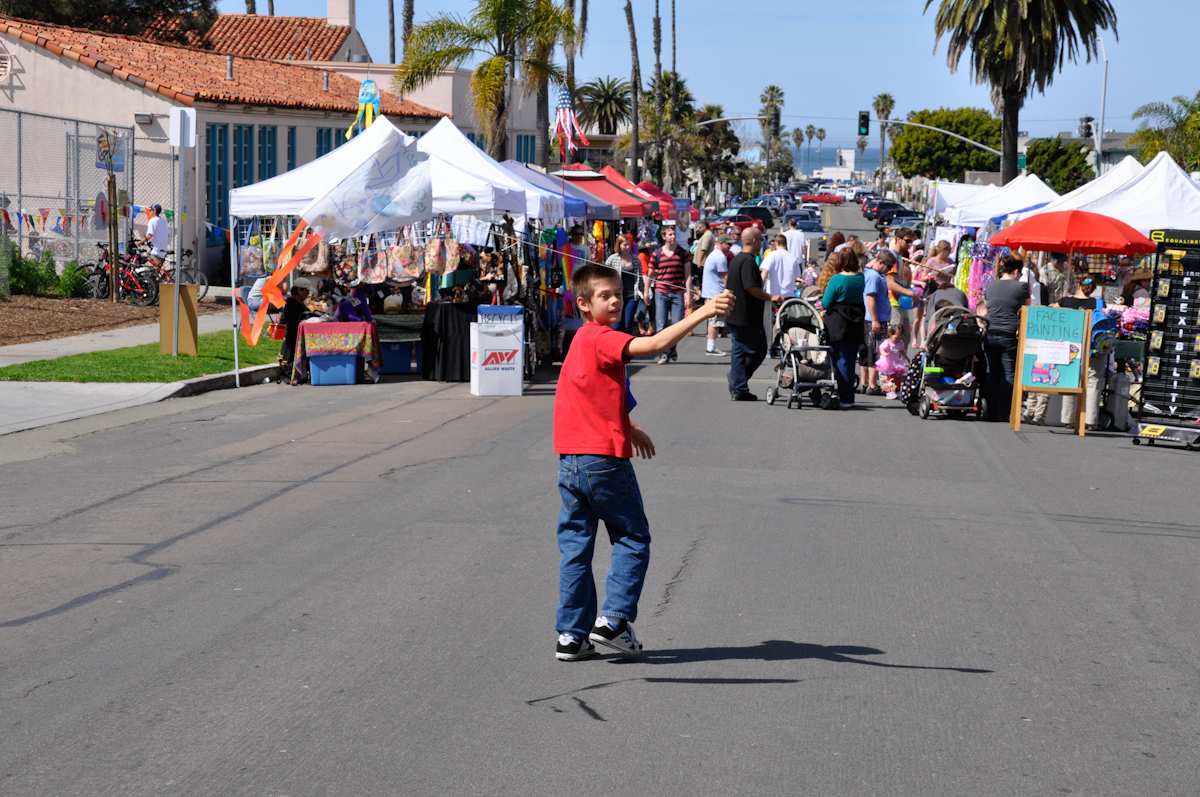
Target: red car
<point>719,223</point>
<point>828,199</point>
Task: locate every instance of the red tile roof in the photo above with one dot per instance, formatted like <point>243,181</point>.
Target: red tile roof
<point>188,75</point>
<point>252,36</point>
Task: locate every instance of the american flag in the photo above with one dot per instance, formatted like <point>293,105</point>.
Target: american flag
<point>566,126</point>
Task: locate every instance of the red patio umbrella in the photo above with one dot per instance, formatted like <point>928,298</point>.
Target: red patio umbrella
<point>1075,231</point>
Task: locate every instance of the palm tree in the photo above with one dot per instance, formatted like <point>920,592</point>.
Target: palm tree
<point>770,103</point>
<point>1019,46</point>
<point>604,104</point>
<point>658,100</point>
<point>251,8</point>
<point>861,146</point>
<point>820,144</point>
<point>572,42</point>
<point>497,34</point>
<point>798,142</point>
<point>270,8</point>
<point>810,132</point>
<point>406,22</point>
<point>391,4</point>
<point>635,93</point>
<point>1175,128</point>
<point>883,104</point>
<point>538,83</point>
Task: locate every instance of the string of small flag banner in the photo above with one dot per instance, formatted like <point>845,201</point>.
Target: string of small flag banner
<point>57,221</point>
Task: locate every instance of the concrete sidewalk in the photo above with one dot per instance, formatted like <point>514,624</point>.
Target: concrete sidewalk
<point>28,405</point>
<point>100,341</point>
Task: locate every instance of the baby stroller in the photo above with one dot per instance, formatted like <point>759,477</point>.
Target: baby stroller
<point>947,378</point>
<point>805,359</point>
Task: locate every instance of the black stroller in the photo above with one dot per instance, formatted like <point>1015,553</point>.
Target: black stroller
<point>805,363</point>
<point>947,377</point>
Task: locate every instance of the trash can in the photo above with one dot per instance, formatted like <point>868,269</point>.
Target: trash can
<point>498,351</point>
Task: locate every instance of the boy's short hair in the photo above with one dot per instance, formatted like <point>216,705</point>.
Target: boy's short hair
<point>583,276</point>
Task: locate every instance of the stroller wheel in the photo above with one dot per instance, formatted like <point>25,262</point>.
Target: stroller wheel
<point>815,396</point>
<point>771,395</point>
<point>912,407</point>
<point>924,407</point>
<point>793,402</point>
<point>829,402</point>
<point>1106,421</point>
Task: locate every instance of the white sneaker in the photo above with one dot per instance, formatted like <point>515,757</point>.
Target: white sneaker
<point>620,638</point>
<point>571,648</point>
<point>663,359</point>
<point>716,353</point>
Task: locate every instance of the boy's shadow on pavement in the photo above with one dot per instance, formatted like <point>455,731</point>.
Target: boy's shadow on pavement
<point>779,650</point>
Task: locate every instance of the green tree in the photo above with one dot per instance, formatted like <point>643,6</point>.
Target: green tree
<point>861,146</point>
<point>604,104</point>
<point>810,132</point>
<point>117,16</point>
<point>883,105</point>
<point>1174,127</point>
<point>1017,46</point>
<point>798,142</point>
<point>675,115</point>
<point>928,153</point>
<point>820,144</point>
<point>770,105</point>
<point>1062,166</point>
<point>498,34</point>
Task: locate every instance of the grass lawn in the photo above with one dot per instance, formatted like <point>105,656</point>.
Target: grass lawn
<point>144,363</point>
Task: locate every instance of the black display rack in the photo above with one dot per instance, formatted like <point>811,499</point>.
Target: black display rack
<point>1169,406</point>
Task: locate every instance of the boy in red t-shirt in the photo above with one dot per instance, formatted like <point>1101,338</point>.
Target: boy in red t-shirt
<point>595,440</point>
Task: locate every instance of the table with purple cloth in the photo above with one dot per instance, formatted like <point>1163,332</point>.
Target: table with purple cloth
<point>360,338</point>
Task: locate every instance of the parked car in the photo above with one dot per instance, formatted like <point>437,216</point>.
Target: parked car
<point>762,213</point>
<point>825,198</point>
<point>913,221</point>
<point>801,214</point>
<point>737,219</point>
<point>886,211</point>
<point>873,209</point>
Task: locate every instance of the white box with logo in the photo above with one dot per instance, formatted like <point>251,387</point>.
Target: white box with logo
<point>497,358</point>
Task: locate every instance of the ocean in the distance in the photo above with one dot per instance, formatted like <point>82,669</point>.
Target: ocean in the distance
<point>807,160</point>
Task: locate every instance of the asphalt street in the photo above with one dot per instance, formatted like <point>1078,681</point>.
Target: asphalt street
<point>350,591</point>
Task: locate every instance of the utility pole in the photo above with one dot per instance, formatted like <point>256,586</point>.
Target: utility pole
<point>1103,99</point>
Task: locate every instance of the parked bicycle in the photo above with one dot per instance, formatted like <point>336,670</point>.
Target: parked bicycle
<point>189,274</point>
<point>136,283</point>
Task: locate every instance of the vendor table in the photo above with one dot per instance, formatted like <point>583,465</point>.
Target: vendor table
<point>359,338</point>
<point>446,341</point>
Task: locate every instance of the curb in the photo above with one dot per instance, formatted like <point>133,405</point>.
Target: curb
<point>204,384</point>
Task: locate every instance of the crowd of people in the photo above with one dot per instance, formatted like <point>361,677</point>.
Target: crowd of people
<point>878,299</point>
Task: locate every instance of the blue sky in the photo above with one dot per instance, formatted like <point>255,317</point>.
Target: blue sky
<point>831,58</point>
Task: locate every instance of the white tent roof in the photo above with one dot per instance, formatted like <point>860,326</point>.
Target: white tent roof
<point>447,142</point>
<point>947,195</point>
<point>1161,197</point>
<point>1025,192</point>
<point>454,190</point>
<point>1115,177</point>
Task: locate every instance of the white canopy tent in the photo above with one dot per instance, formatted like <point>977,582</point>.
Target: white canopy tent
<point>1112,179</point>
<point>947,195</point>
<point>447,142</point>
<point>1024,193</point>
<point>454,188</point>
<point>1161,197</point>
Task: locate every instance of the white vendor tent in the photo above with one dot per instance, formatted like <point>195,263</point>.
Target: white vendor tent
<point>1024,193</point>
<point>454,189</point>
<point>1112,179</point>
<point>1161,197</point>
<point>447,142</point>
<point>947,195</point>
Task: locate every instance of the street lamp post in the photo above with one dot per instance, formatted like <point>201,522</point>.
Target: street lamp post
<point>1103,100</point>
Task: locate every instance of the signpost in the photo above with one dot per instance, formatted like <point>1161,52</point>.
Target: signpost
<point>1052,357</point>
<point>182,137</point>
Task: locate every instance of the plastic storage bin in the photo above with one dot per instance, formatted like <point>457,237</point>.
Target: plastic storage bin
<point>333,369</point>
<point>398,357</point>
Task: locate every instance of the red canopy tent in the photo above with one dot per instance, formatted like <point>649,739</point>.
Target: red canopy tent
<point>1075,231</point>
<point>663,208</point>
<point>599,184</point>
<point>664,199</point>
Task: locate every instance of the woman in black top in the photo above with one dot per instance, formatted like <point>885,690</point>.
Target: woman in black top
<point>1002,303</point>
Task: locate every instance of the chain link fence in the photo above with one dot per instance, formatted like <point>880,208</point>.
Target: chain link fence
<point>53,183</point>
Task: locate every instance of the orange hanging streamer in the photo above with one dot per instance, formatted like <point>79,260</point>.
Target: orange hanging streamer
<point>289,258</point>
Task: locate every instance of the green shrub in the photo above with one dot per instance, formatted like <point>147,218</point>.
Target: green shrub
<point>71,282</point>
<point>33,277</point>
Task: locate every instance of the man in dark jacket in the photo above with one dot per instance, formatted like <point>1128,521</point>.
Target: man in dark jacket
<point>745,321</point>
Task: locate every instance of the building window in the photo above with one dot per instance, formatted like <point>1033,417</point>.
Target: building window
<point>243,155</point>
<point>268,165</point>
<point>475,139</point>
<point>526,148</point>
<point>216,151</point>
<point>329,139</point>
<point>291,148</point>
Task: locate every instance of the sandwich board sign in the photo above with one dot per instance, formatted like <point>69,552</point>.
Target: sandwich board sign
<point>1052,357</point>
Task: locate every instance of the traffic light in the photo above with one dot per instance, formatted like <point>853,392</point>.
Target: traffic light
<point>864,123</point>
<point>1085,126</point>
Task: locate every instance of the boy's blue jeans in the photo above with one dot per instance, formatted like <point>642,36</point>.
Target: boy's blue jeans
<point>596,488</point>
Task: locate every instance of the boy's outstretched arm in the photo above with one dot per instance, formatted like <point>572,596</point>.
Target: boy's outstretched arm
<point>666,338</point>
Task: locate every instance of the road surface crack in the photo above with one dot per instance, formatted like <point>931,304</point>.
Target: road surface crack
<point>677,579</point>
<point>36,687</point>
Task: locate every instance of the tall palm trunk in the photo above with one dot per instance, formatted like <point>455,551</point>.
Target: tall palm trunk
<point>271,8</point>
<point>406,21</point>
<point>251,8</point>
<point>391,30</point>
<point>658,96</point>
<point>1010,110</point>
<point>569,52</point>
<point>635,93</point>
<point>543,123</point>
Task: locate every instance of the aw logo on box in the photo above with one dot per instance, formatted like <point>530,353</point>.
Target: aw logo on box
<point>500,357</point>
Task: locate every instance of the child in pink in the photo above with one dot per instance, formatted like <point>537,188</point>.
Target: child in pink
<point>891,363</point>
